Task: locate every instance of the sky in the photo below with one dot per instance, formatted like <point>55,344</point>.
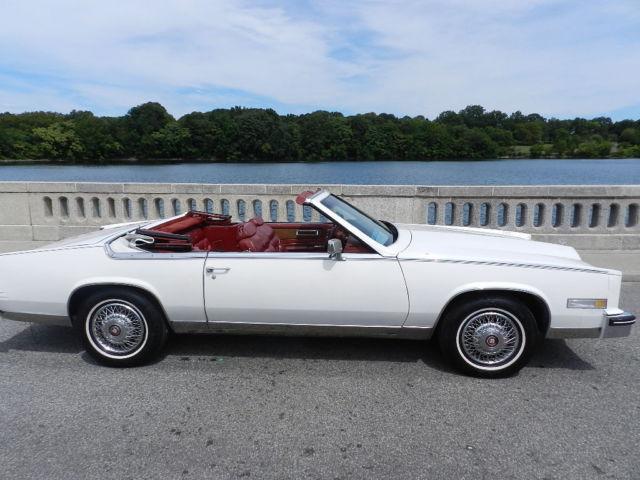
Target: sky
<point>561,58</point>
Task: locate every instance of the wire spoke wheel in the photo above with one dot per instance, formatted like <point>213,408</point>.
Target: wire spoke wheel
<point>117,328</point>
<point>490,338</point>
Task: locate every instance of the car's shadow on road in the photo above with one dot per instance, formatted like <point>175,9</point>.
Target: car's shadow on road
<point>43,338</point>
<point>555,353</point>
<point>40,338</point>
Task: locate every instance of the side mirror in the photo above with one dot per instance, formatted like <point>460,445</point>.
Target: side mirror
<point>334,248</point>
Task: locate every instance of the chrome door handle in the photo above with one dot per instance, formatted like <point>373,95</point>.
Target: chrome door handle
<point>217,270</point>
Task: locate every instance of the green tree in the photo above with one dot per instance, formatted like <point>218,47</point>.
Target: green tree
<point>631,136</point>
<point>529,133</point>
<point>249,134</point>
<point>96,135</point>
<point>139,124</point>
<point>171,141</point>
<point>57,141</point>
<point>594,148</point>
<point>324,136</point>
<point>537,150</point>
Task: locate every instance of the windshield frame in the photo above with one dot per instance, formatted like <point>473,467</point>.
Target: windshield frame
<point>316,201</point>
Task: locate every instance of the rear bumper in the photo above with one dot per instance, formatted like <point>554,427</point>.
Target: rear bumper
<point>617,324</point>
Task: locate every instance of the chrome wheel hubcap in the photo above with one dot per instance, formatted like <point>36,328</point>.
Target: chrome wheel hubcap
<point>117,327</point>
<point>490,338</point>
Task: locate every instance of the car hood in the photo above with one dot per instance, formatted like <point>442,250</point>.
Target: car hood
<point>431,242</point>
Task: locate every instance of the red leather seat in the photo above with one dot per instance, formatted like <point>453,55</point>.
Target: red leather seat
<point>257,236</point>
<point>199,240</point>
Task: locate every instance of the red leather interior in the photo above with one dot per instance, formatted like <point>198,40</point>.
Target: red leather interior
<point>303,237</point>
<point>203,232</point>
<point>216,238</point>
<point>179,225</point>
<point>257,236</point>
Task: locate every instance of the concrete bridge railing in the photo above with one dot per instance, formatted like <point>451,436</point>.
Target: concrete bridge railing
<point>586,217</point>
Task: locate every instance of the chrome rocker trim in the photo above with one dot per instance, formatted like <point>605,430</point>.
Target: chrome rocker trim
<point>306,330</point>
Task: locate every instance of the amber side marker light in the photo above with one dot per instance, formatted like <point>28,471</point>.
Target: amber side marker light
<point>595,303</point>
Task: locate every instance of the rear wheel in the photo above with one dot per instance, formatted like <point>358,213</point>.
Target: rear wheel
<point>489,337</point>
<point>121,327</point>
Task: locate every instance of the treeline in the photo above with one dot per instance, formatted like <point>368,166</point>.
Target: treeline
<point>149,132</point>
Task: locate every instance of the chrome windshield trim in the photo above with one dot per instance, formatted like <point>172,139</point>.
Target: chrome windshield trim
<point>315,201</point>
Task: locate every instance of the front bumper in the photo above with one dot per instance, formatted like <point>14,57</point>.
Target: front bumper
<point>617,324</point>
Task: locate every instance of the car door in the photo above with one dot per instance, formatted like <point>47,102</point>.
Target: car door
<point>276,288</point>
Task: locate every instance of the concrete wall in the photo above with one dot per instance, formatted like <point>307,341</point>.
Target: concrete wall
<point>586,217</point>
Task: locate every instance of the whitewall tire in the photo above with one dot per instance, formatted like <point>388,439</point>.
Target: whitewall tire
<point>489,337</point>
<point>121,327</point>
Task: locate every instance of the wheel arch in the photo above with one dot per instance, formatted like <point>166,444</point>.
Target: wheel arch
<point>533,300</point>
<point>81,291</point>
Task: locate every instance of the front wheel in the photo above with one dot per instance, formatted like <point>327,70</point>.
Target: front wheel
<point>489,337</point>
<point>121,327</point>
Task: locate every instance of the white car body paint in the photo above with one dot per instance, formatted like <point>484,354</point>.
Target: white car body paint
<point>310,289</point>
<point>455,262</point>
<point>403,286</point>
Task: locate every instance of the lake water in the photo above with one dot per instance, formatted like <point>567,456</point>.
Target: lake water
<point>487,172</point>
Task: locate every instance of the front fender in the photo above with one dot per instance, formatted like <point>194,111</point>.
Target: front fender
<point>494,287</point>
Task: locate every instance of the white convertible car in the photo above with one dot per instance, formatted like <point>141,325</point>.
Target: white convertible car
<point>487,296</point>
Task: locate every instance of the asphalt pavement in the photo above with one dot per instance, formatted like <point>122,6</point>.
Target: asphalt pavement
<point>318,408</point>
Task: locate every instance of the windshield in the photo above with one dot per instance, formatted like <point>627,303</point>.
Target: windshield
<point>367,225</point>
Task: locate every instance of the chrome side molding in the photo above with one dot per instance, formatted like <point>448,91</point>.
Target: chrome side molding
<point>283,329</point>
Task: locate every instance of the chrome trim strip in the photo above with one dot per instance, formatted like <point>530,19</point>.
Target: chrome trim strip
<point>144,255</point>
<point>37,318</point>
<point>286,329</point>
<point>505,264</point>
<point>621,319</point>
<point>616,323</point>
<point>189,327</point>
<point>297,255</point>
<point>308,232</point>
